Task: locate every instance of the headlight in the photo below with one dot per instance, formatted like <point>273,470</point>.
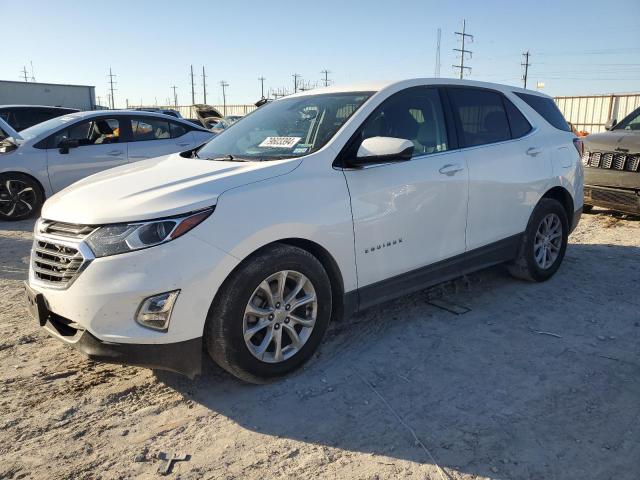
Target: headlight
<point>127,237</point>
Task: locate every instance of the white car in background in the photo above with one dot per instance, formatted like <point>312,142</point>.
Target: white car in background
<point>315,206</point>
<point>42,160</point>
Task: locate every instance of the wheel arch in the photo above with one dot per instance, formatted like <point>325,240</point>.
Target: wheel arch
<point>325,258</point>
<point>35,179</point>
<point>563,196</point>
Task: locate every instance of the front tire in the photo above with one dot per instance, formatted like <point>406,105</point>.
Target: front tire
<point>543,244</point>
<point>20,196</point>
<point>270,315</point>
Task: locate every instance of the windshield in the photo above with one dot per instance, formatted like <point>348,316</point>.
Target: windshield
<point>44,127</point>
<point>287,128</point>
<point>632,122</point>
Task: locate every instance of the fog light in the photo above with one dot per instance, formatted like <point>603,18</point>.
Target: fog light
<point>155,312</point>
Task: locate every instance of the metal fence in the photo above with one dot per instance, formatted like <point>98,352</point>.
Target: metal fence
<point>591,112</point>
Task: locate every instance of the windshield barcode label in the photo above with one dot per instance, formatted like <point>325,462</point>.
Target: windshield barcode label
<point>280,142</point>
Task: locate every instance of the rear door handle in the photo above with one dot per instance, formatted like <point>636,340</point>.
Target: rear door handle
<point>533,151</point>
<point>450,169</point>
<point>115,153</point>
<point>183,144</point>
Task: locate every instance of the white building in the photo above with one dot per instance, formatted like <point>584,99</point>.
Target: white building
<point>82,97</point>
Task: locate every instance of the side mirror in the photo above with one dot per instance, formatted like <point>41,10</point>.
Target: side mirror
<point>383,150</point>
<point>66,144</point>
<point>610,124</point>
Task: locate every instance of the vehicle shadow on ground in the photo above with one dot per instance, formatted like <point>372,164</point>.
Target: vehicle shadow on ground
<point>519,387</point>
<point>15,250</point>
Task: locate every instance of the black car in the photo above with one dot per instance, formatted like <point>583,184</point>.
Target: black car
<point>612,166</point>
<point>21,117</point>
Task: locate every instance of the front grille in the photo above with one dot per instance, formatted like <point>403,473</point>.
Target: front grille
<point>55,263</point>
<point>612,161</point>
<point>67,230</point>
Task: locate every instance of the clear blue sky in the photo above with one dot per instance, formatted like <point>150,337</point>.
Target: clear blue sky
<point>577,47</point>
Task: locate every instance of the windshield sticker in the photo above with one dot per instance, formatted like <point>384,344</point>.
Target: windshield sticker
<point>300,150</point>
<point>280,142</point>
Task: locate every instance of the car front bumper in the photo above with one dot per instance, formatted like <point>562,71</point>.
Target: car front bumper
<point>622,199</point>
<point>96,313</point>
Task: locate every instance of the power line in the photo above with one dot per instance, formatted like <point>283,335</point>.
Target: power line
<point>526,66</point>
<point>204,85</point>
<point>262,79</point>
<point>463,52</point>
<point>437,69</point>
<point>295,76</point>
<point>111,75</point>
<point>193,91</point>
<point>326,77</point>
<point>224,85</point>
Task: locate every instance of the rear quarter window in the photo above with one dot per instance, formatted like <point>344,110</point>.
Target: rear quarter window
<point>547,109</point>
<point>520,126</point>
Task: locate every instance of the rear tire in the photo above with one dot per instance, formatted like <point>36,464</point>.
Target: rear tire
<point>543,244</point>
<point>20,196</point>
<point>258,330</point>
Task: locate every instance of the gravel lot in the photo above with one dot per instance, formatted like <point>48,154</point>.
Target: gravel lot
<point>536,381</point>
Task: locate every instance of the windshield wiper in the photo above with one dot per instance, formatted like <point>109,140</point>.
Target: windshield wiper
<point>228,158</point>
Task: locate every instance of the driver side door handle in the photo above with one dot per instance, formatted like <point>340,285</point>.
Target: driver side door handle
<point>450,169</point>
<point>115,153</point>
<point>533,151</point>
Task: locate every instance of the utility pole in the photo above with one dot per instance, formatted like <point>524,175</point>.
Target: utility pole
<point>526,66</point>
<point>24,74</point>
<point>463,52</point>
<point>193,92</point>
<point>175,96</point>
<point>295,76</point>
<point>204,85</point>
<point>262,79</point>
<point>33,77</point>
<point>437,69</point>
<point>111,75</point>
<point>224,85</point>
<point>326,77</point>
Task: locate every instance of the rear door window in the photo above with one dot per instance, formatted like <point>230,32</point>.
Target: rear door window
<point>481,116</point>
<point>177,129</point>
<point>547,109</point>
<point>143,129</point>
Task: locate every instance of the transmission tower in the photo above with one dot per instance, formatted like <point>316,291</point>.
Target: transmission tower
<point>526,66</point>
<point>175,96</point>
<point>262,79</point>
<point>111,75</point>
<point>295,76</point>
<point>463,37</point>
<point>204,85</point>
<point>326,77</point>
<point>224,85</point>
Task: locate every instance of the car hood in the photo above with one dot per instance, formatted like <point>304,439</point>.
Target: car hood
<point>155,188</point>
<point>615,140</point>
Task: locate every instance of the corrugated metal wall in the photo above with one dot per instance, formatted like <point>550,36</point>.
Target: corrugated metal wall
<point>33,93</point>
<point>591,112</point>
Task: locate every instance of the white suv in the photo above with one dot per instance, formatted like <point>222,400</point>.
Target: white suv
<point>312,207</point>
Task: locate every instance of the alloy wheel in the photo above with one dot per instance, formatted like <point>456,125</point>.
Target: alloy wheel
<point>16,198</point>
<point>548,241</point>
<point>280,316</point>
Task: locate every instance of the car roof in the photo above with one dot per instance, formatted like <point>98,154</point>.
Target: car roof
<point>108,113</point>
<point>49,107</point>
<point>399,84</point>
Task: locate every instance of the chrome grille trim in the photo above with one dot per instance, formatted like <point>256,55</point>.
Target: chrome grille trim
<point>612,161</point>
<point>59,254</point>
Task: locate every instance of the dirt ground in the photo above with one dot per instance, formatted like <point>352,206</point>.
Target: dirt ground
<point>536,381</point>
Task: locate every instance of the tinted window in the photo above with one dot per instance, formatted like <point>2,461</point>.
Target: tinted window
<point>177,130</point>
<point>481,116</point>
<point>519,125</point>
<point>547,109</point>
<point>414,114</point>
<point>149,129</point>
<point>96,132</point>
<point>631,122</point>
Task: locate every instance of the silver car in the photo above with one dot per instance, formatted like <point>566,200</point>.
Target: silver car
<point>42,160</point>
